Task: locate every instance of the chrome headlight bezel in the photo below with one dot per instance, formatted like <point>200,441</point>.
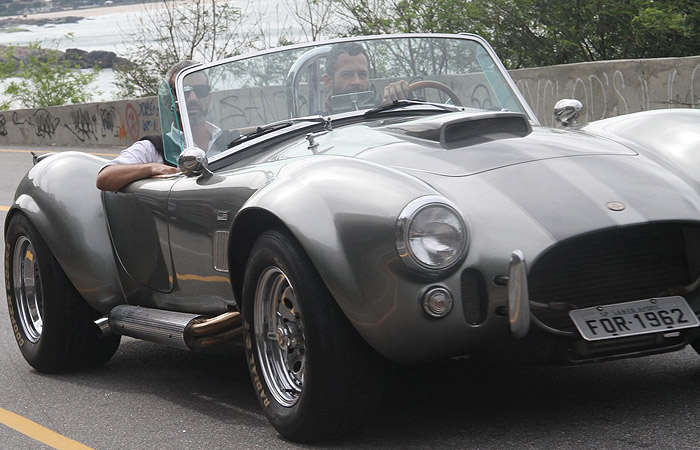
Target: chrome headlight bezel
<point>406,220</point>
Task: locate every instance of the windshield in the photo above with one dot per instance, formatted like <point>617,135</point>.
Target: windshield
<point>232,98</point>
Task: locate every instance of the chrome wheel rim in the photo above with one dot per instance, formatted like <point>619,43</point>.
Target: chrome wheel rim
<point>27,289</point>
<point>279,336</point>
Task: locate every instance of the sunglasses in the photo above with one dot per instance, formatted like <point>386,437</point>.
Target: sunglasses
<point>200,91</point>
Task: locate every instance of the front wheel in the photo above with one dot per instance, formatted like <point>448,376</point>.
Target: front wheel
<point>52,323</point>
<point>314,376</point>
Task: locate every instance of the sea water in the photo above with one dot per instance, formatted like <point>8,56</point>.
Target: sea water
<point>109,32</point>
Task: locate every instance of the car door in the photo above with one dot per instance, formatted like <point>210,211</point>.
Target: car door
<point>200,216</point>
<point>138,227</point>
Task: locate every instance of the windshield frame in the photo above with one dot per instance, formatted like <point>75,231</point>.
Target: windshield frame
<point>179,80</point>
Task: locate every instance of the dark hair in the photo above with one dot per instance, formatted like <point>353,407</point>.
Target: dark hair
<point>351,48</point>
<point>176,68</point>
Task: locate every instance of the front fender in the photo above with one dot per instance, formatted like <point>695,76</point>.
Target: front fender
<point>343,212</point>
<point>671,137</point>
<point>59,197</point>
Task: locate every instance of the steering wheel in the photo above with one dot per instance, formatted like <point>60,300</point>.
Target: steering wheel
<point>436,85</point>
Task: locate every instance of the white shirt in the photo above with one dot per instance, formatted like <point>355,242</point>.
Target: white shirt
<point>140,152</point>
<point>144,152</point>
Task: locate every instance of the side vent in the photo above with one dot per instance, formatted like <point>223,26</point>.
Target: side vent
<point>221,251</point>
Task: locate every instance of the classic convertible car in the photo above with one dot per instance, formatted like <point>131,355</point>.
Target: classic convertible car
<point>337,228</point>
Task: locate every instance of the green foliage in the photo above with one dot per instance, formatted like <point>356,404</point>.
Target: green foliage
<point>45,78</point>
<point>528,33</point>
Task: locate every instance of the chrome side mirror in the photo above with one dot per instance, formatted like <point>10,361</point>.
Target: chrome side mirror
<point>193,162</point>
<point>567,112</point>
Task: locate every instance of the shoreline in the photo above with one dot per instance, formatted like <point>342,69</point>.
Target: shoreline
<point>96,11</point>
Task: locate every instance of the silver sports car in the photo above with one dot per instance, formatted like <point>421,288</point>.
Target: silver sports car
<point>346,204</point>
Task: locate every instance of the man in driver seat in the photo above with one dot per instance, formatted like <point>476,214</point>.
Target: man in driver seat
<point>347,72</point>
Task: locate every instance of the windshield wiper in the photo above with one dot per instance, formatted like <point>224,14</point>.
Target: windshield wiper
<point>274,126</point>
<point>398,104</point>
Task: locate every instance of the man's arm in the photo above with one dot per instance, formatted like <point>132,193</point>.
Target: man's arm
<point>113,178</point>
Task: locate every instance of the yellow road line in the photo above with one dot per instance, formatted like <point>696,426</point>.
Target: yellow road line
<point>4,208</point>
<point>39,433</point>
<point>14,150</point>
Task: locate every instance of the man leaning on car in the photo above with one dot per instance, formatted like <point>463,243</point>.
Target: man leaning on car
<point>144,158</point>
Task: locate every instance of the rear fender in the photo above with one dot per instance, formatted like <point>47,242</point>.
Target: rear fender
<point>58,195</point>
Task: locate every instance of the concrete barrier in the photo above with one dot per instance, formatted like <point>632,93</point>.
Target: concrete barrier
<point>116,123</point>
<point>611,88</point>
<point>606,88</point>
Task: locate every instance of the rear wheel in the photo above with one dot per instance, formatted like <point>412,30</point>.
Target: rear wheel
<point>314,376</point>
<point>51,322</point>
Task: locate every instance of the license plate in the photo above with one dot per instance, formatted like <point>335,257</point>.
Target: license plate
<point>631,318</point>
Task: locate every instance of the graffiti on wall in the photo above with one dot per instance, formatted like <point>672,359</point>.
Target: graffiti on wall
<point>83,125</point>
<point>613,92</point>
<point>100,123</point>
<point>41,121</point>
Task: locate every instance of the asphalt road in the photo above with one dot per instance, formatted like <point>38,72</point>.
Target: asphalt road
<point>151,397</point>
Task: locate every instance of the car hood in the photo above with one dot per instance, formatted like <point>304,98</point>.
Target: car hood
<point>558,182</point>
<point>405,144</point>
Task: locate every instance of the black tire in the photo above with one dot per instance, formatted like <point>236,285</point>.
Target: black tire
<point>314,376</point>
<point>53,325</point>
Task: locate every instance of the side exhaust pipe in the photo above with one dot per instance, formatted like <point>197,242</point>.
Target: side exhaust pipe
<point>174,329</point>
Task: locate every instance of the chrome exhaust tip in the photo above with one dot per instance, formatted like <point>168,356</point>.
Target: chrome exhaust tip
<point>103,325</point>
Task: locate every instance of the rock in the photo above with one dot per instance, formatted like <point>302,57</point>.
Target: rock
<point>103,59</point>
<point>80,58</point>
<point>14,21</point>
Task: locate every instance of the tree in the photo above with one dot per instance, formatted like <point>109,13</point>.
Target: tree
<point>173,30</point>
<point>45,78</point>
<point>315,17</point>
<point>546,32</point>
<point>528,33</point>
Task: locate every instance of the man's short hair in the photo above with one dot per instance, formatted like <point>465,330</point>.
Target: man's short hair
<point>351,48</point>
<point>176,68</point>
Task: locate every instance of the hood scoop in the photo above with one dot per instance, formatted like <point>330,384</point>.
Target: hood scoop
<point>465,129</point>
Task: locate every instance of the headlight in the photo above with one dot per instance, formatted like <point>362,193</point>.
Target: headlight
<point>430,234</point>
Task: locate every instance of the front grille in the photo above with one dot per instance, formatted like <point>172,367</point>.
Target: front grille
<point>613,266</point>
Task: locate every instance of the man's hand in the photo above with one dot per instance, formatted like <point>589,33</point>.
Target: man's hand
<point>113,178</point>
<point>395,91</point>
<point>162,169</point>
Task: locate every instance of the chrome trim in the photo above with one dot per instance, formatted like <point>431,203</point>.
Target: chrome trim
<point>426,307</point>
<point>518,297</point>
<point>223,322</point>
<point>279,336</point>
<point>403,222</point>
<point>26,279</point>
<point>103,324</point>
<point>295,72</point>
<point>202,333</point>
<point>193,162</point>
<point>567,111</point>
